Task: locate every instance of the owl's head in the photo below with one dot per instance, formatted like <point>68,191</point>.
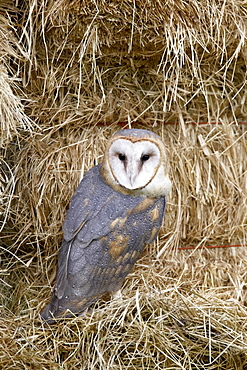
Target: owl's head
<point>135,162</point>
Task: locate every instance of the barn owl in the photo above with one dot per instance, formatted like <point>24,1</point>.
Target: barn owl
<point>116,210</point>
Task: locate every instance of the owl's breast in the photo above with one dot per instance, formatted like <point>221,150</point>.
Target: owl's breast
<point>139,227</point>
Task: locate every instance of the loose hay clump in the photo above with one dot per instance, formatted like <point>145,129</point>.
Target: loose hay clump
<point>12,115</point>
<point>13,118</point>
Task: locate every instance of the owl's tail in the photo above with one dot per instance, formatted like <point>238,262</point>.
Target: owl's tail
<point>49,313</point>
<point>62,308</point>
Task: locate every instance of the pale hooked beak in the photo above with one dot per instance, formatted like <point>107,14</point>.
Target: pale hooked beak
<point>132,171</point>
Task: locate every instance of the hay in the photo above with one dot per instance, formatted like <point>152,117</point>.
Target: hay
<point>68,66</point>
<point>13,120</point>
<point>170,317</point>
<point>129,61</point>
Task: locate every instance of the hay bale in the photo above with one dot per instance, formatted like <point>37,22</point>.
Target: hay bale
<point>208,172</point>
<point>167,318</point>
<point>134,60</point>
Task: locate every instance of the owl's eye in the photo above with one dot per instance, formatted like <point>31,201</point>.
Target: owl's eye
<point>122,157</point>
<point>145,157</point>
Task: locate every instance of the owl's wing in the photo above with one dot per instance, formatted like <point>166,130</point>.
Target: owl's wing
<point>93,209</point>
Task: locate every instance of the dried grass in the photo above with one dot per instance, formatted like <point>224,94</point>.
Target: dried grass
<point>12,115</point>
<point>81,63</point>
<point>170,317</point>
<point>131,60</point>
<point>13,120</point>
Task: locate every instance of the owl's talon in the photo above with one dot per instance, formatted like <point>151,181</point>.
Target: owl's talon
<point>117,296</point>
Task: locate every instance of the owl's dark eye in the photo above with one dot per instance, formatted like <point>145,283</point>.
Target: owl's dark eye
<point>122,157</point>
<point>145,157</point>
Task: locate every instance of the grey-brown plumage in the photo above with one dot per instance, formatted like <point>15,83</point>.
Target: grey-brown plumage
<point>109,223</point>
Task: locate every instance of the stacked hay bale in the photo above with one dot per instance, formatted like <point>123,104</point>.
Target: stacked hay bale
<point>83,67</point>
<point>150,62</point>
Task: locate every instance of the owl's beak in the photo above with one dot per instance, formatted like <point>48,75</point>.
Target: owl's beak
<point>132,171</point>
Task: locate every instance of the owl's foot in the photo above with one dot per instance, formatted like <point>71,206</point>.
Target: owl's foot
<point>117,296</point>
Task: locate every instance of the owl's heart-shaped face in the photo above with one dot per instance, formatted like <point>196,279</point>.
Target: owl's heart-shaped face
<point>133,165</point>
